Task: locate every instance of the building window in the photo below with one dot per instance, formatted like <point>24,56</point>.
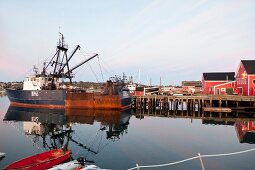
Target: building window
<point>223,89</point>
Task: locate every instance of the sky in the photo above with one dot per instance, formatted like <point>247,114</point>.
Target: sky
<point>176,40</point>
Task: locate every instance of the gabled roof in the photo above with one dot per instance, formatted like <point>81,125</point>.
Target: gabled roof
<point>219,76</point>
<point>249,66</point>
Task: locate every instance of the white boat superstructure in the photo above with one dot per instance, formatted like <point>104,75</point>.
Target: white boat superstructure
<point>36,82</point>
<point>67,166</point>
<point>92,167</point>
<point>1,154</point>
<point>78,164</point>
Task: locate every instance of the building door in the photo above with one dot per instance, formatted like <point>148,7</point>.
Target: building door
<point>218,91</point>
<point>240,89</point>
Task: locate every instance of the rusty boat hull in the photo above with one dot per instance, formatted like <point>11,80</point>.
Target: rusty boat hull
<point>85,100</point>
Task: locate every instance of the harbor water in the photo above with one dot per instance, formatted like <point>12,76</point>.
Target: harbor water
<point>120,140</point>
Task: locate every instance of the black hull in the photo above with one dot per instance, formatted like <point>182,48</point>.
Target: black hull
<point>43,115</point>
<point>37,97</point>
<point>126,102</point>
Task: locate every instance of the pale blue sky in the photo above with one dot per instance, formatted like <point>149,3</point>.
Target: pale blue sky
<point>177,40</point>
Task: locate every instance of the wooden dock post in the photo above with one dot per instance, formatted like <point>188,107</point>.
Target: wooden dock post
<point>176,104</point>
<point>190,103</point>
<point>182,103</point>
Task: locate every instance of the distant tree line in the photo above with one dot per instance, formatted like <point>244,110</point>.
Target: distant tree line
<point>80,84</point>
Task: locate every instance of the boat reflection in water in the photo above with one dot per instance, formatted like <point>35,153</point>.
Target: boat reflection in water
<point>39,123</point>
<point>115,123</point>
<point>55,128</point>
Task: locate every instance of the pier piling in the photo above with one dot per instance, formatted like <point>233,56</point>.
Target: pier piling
<point>191,103</point>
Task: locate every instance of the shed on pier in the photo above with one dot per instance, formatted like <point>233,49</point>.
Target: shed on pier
<point>212,80</point>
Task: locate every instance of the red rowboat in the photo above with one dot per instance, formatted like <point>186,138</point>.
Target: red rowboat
<point>41,161</point>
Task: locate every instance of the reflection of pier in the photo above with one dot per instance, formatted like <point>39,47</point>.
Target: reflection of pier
<point>206,117</point>
<point>244,125</point>
<point>192,103</point>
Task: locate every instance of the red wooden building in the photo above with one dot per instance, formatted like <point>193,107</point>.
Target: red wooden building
<point>245,131</point>
<point>218,82</point>
<point>224,88</point>
<point>245,78</point>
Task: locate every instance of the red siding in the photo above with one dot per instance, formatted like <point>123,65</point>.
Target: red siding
<point>244,82</point>
<point>248,126</point>
<point>139,93</point>
<point>251,85</point>
<point>207,86</point>
<point>221,89</point>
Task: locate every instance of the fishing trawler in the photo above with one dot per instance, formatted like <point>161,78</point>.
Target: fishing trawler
<point>47,90</point>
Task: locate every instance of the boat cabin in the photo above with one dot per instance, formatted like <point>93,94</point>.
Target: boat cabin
<point>37,82</point>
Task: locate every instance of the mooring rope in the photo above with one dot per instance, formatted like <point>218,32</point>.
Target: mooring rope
<point>228,154</point>
<point>195,157</point>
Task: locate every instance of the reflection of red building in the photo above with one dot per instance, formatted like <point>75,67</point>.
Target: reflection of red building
<point>211,82</point>
<point>245,131</point>
<point>245,78</point>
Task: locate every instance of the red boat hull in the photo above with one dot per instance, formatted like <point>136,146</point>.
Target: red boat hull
<point>41,161</point>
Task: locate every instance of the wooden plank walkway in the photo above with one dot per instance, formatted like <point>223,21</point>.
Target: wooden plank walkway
<point>217,109</point>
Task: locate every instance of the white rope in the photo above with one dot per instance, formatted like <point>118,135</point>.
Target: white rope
<point>168,164</point>
<point>228,154</point>
<point>195,157</point>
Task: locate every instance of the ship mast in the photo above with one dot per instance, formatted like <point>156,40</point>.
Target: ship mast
<point>60,62</point>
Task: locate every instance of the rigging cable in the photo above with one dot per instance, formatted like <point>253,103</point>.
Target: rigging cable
<point>108,68</point>
<point>100,68</point>
<point>92,142</point>
<point>83,53</point>
<point>93,72</point>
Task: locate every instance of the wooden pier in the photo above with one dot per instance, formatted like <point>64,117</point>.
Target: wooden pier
<point>193,103</point>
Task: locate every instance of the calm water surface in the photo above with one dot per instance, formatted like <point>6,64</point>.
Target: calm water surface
<point>116,140</point>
